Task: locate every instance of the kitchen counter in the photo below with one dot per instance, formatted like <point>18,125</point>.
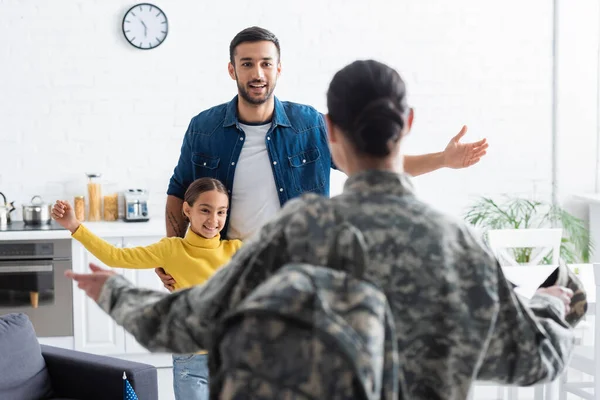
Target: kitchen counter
<point>154,227</point>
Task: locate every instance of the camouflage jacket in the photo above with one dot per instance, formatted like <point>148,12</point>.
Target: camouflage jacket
<point>457,318</point>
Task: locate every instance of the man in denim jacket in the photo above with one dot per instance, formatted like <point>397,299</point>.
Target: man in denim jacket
<point>268,151</point>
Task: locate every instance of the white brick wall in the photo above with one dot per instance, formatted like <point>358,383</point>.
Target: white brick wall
<point>75,97</point>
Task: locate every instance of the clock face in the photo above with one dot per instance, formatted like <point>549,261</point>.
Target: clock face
<point>145,26</point>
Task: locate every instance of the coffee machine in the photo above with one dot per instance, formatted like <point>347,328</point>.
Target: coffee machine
<point>136,205</point>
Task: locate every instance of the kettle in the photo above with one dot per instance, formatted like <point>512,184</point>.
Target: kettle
<point>5,210</point>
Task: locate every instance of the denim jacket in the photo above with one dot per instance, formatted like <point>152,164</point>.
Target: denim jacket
<point>296,143</point>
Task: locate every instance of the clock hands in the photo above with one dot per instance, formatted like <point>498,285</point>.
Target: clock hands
<point>145,28</point>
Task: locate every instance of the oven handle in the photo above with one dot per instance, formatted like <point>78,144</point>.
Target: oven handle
<point>11,269</point>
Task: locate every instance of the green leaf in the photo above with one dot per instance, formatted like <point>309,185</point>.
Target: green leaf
<point>520,213</point>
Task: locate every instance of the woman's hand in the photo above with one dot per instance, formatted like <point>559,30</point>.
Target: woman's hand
<point>563,293</point>
<point>92,283</point>
<point>63,213</point>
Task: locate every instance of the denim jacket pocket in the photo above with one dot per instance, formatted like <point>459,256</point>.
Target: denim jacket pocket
<point>205,165</point>
<point>307,170</point>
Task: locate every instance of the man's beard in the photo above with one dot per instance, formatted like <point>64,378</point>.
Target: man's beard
<point>244,92</point>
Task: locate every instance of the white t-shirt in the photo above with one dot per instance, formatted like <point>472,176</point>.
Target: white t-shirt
<point>254,198</point>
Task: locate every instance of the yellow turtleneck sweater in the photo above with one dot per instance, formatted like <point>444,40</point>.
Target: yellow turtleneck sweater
<point>190,261</point>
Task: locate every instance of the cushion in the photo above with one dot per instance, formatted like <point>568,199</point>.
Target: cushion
<point>23,373</point>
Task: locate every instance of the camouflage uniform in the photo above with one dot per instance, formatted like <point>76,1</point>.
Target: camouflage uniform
<point>457,318</point>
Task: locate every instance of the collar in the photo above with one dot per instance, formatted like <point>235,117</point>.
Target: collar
<point>196,240</point>
<point>279,116</point>
<point>380,182</point>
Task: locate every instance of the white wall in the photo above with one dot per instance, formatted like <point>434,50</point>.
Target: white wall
<point>75,97</point>
<point>579,32</point>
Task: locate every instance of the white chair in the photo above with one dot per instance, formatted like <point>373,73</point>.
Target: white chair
<point>586,359</point>
<point>544,240</point>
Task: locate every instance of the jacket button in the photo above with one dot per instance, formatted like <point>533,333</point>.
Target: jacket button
<point>281,189</point>
<point>241,138</point>
<point>274,162</point>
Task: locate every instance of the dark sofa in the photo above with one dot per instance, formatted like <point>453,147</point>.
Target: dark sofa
<point>29,371</point>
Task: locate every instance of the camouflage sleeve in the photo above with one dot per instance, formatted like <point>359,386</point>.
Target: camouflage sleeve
<point>161,321</point>
<point>181,322</point>
<point>528,343</point>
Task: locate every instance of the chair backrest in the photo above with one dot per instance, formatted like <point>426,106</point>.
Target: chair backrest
<point>502,239</point>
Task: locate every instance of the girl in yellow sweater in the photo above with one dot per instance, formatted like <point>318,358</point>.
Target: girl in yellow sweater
<point>190,260</point>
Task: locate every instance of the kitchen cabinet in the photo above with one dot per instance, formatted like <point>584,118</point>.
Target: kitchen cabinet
<point>143,278</point>
<point>94,331</point>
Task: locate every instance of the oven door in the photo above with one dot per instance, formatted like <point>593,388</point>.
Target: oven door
<point>39,289</point>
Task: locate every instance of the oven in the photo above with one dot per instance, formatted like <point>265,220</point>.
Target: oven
<point>32,281</point>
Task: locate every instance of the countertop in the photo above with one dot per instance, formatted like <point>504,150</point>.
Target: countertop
<point>154,227</point>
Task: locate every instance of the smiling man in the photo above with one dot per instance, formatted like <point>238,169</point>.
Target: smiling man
<point>268,151</point>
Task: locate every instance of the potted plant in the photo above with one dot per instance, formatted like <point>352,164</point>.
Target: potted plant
<point>520,213</point>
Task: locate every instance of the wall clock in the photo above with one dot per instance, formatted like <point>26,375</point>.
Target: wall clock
<point>145,26</point>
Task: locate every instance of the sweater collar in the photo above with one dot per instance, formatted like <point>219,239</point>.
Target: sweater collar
<point>196,240</point>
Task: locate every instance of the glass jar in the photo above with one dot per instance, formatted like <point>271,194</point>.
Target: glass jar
<point>111,207</point>
<point>94,197</point>
<point>79,207</point>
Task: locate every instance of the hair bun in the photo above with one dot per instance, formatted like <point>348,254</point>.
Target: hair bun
<point>379,122</point>
<point>367,101</point>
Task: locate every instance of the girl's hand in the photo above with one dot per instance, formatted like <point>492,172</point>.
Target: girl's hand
<point>63,213</point>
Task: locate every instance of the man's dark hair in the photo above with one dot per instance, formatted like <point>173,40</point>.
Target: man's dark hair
<point>252,34</point>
